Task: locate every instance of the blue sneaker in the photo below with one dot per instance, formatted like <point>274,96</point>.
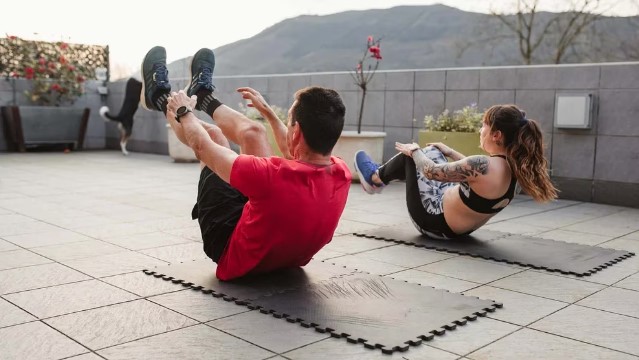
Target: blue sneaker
<point>202,66</point>
<point>366,167</point>
<point>155,80</point>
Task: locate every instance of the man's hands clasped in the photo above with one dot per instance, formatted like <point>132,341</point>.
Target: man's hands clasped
<point>177,99</point>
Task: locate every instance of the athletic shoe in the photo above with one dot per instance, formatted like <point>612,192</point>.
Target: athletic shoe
<point>202,66</point>
<point>366,167</point>
<point>155,80</point>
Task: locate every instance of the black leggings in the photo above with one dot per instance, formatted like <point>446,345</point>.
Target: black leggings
<point>423,196</point>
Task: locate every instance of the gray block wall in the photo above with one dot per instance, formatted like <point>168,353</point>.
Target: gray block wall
<point>13,94</point>
<point>597,164</point>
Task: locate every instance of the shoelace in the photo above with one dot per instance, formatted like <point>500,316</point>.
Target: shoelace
<point>160,75</point>
<point>205,78</point>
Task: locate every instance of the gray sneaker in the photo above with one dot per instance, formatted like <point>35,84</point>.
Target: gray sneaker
<point>202,66</point>
<point>155,80</point>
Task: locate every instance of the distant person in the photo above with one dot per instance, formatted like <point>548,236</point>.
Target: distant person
<point>256,212</point>
<point>450,199</point>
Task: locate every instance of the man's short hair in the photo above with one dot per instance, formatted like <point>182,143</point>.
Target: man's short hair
<point>320,113</point>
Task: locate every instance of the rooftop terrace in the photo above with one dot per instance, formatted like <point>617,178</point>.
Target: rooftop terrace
<point>76,230</point>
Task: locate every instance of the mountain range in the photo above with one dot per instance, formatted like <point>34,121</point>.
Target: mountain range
<point>412,37</point>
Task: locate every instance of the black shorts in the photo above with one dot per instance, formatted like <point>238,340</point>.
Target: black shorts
<point>218,209</point>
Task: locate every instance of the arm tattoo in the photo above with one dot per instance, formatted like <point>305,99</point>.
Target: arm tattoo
<point>462,170</point>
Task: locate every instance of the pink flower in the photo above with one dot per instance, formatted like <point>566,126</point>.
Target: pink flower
<point>56,87</point>
<point>64,45</point>
<point>359,66</point>
<point>370,39</point>
<point>71,68</point>
<point>62,59</point>
<point>29,72</point>
<point>42,61</point>
<point>12,37</point>
<point>375,52</point>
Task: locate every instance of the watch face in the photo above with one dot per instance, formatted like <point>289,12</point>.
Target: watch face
<point>181,110</point>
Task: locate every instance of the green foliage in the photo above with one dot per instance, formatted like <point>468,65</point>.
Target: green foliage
<point>57,70</point>
<point>468,120</point>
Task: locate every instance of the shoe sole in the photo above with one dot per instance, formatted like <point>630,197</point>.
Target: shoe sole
<point>142,96</point>
<point>369,189</point>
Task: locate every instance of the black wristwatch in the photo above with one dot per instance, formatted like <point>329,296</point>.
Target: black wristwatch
<point>181,111</point>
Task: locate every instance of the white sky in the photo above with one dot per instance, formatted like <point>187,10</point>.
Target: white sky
<point>132,27</point>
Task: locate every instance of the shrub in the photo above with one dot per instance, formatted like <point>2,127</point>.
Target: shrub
<point>467,120</point>
<point>57,70</point>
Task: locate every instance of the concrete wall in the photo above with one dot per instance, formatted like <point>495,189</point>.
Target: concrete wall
<point>95,136</point>
<point>598,164</point>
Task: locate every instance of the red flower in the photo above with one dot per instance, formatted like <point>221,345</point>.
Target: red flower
<point>375,52</point>
<point>71,68</point>
<point>42,61</point>
<point>12,37</point>
<point>370,39</point>
<point>51,65</point>
<point>64,45</point>
<point>80,78</point>
<point>62,60</point>
<point>56,87</point>
<point>29,72</point>
<point>42,69</point>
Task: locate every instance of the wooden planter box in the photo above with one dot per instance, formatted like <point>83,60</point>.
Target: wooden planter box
<point>27,127</point>
<point>465,143</point>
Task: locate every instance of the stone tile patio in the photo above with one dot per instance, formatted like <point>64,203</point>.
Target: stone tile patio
<point>77,228</point>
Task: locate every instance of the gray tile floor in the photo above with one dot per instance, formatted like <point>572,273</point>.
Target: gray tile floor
<point>77,228</point>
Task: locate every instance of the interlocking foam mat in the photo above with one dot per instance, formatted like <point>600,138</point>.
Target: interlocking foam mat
<point>537,253</point>
<point>378,312</point>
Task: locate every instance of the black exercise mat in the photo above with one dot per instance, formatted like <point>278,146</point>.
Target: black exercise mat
<point>200,275</point>
<point>537,253</point>
<point>379,312</point>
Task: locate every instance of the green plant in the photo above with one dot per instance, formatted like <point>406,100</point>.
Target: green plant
<point>364,73</point>
<point>468,120</point>
<point>57,76</point>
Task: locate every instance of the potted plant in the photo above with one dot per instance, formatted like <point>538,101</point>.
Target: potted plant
<point>56,81</point>
<point>459,129</point>
<point>370,141</point>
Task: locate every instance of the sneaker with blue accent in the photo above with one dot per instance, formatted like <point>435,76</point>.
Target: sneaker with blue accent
<point>366,168</point>
<point>202,66</point>
<point>155,80</point>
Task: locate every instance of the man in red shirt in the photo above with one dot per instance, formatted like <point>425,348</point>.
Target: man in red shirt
<point>257,212</point>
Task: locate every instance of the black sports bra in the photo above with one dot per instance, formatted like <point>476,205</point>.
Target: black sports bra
<point>483,205</point>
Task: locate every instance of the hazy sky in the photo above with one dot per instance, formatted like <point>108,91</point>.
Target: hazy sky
<point>131,27</point>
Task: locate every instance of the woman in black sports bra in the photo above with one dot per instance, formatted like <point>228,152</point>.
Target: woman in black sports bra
<point>450,199</point>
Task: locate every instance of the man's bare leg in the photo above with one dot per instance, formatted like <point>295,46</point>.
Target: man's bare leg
<point>215,133</point>
<point>248,134</point>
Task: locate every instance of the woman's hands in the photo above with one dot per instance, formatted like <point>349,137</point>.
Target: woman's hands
<point>407,149</point>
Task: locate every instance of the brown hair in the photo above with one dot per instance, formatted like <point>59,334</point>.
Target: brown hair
<point>524,145</point>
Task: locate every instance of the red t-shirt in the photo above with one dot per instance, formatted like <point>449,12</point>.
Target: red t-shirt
<point>292,212</point>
